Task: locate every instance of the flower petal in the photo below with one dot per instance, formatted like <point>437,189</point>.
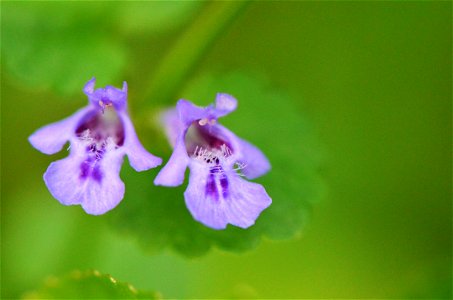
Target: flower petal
<point>97,196</point>
<point>239,205</point>
<point>172,125</point>
<point>116,96</point>
<point>107,95</point>
<point>51,138</point>
<point>106,195</point>
<point>88,89</point>
<point>173,172</point>
<point>62,180</point>
<point>224,104</point>
<point>255,162</point>
<point>188,112</point>
<point>139,158</point>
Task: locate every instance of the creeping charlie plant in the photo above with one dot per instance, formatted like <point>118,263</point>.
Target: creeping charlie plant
<point>216,195</point>
<point>101,133</point>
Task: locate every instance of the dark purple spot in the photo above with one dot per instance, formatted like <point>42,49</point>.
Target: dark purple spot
<point>224,185</point>
<point>211,188</point>
<point>215,170</point>
<point>84,170</point>
<point>216,174</point>
<point>90,168</point>
<point>96,174</point>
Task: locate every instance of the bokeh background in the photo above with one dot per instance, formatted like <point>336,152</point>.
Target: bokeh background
<point>358,95</point>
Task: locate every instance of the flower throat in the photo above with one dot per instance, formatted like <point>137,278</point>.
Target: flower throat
<point>100,133</point>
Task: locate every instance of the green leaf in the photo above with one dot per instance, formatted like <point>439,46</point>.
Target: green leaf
<point>88,285</point>
<point>60,47</point>
<point>157,16</point>
<point>157,216</point>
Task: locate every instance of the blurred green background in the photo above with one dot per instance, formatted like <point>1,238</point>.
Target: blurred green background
<point>372,80</point>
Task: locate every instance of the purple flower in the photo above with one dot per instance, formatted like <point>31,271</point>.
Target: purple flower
<point>100,134</point>
<point>217,195</point>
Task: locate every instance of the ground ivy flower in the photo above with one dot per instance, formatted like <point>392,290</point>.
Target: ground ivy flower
<point>100,134</point>
<point>217,195</point>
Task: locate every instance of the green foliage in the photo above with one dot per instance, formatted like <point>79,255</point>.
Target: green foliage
<point>60,45</point>
<point>138,17</point>
<point>88,285</point>
<point>158,217</point>
<point>60,48</point>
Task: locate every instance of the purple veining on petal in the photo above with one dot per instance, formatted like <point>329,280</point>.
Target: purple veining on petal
<point>211,188</point>
<point>206,144</point>
<point>224,185</point>
<point>216,175</point>
<point>96,174</point>
<point>85,169</point>
<point>90,166</point>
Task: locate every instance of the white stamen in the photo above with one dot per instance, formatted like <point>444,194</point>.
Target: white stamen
<point>110,144</point>
<point>240,166</point>
<point>212,157</point>
<point>86,137</point>
<point>104,105</point>
<point>203,122</point>
<point>206,121</point>
<point>98,147</point>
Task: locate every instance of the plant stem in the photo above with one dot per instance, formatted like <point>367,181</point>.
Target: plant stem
<point>190,49</point>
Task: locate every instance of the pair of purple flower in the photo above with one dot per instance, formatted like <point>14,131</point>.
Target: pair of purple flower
<point>101,133</point>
